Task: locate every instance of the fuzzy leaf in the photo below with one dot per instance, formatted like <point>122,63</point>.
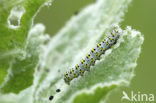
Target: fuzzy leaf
<point>82,33</point>
<point>18,54</point>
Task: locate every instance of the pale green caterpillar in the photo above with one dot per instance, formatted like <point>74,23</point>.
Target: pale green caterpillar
<point>91,57</point>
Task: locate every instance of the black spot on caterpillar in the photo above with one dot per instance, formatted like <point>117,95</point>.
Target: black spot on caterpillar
<point>92,56</point>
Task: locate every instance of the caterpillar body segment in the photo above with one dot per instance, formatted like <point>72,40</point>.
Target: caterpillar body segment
<point>92,56</point>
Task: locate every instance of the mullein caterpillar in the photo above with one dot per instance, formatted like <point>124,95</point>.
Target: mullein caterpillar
<point>92,56</point>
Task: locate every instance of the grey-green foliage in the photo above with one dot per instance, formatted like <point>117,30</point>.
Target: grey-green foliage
<point>19,53</point>
<point>80,34</point>
<point>72,43</point>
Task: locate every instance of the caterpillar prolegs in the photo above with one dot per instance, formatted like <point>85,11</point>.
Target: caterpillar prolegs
<point>92,56</point>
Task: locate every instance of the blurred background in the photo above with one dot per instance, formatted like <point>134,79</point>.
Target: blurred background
<point>141,15</point>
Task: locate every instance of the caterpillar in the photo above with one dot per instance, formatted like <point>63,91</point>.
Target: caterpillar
<point>92,56</point>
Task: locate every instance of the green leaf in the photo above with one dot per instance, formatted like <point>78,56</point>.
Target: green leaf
<point>18,54</point>
<point>73,42</point>
<point>82,32</point>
